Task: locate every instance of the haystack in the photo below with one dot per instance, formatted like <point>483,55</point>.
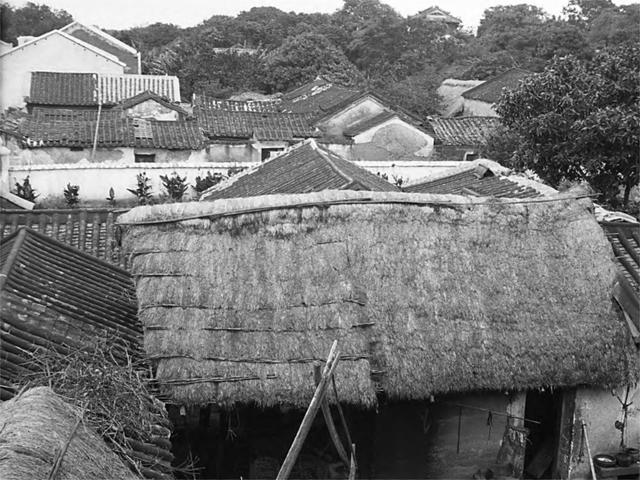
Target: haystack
<point>427,295</point>
<point>35,428</point>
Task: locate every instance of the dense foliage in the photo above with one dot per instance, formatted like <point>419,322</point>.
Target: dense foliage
<point>580,120</point>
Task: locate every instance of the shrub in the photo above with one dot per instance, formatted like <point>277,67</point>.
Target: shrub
<point>207,182</point>
<point>143,189</point>
<point>25,190</point>
<point>175,185</point>
<point>71,195</point>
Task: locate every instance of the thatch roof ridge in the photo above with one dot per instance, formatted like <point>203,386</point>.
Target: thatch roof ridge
<point>36,426</point>
<point>178,212</point>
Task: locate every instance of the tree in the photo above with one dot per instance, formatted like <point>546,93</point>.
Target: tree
<point>302,58</point>
<point>579,120</point>
<point>32,19</point>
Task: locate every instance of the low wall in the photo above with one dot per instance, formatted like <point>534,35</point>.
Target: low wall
<point>49,181</point>
<point>95,180</point>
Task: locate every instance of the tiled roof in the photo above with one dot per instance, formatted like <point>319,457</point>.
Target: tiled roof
<point>54,88</point>
<point>491,90</point>
<point>362,126</point>
<point>463,130</point>
<point>318,97</point>
<point>625,241</point>
<point>116,88</point>
<point>91,231</point>
<point>89,89</point>
<point>304,168</point>
<point>69,128</point>
<point>54,296</point>
<point>237,105</point>
<point>149,95</point>
<point>478,181</point>
<point>225,123</point>
<point>436,14</point>
<point>52,292</point>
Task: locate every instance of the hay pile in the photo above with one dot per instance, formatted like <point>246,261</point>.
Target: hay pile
<point>112,388</point>
<point>426,294</point>
<point>34,428</point>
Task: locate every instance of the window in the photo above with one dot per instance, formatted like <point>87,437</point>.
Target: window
<point>76,149</point>
<point>145,157</point>
<point>265,153</point>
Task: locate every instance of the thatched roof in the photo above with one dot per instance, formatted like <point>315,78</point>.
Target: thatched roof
<point>427,294</point>
<point>35,428</point>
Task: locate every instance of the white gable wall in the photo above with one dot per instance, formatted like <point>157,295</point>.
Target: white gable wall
<point>397,137</point>
<point>363,109</point>
<point>52,53</point>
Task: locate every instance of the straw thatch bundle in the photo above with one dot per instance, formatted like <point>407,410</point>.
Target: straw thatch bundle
<point>426,294</point>
<point>36,426</point>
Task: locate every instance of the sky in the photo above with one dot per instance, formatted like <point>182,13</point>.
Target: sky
<point>123,14</point>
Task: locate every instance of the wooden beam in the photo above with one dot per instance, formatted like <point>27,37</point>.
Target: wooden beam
<point>312,410</point>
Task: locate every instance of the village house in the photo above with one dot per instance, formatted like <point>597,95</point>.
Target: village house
<point>482,99</point>
<point>54,51</point>
<point>140,95</point>
<point>438,15</point>
<point>248,131</point>
<point>477,334</point>
<point>461,138</point>
<point>55,147</point>
<point>305,167</point>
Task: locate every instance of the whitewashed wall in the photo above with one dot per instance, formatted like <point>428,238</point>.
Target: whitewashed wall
<point>55,53</point>
<point>599,409</point>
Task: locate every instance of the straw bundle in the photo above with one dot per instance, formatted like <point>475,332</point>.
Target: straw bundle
<point>426,294</point>
<point>36,426</point>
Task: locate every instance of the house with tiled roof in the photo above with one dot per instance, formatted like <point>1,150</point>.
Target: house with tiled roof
<point>99,150</point>
<point>480,178</point>
<point>438,15</point>
<point>360,125</point>
<point>481,99</point>
<point>55,51</point>
<point>249,131</point>
<point>108,43</point>
<point>303,168</point>
<point>89,90</point>
<point>461,138</point>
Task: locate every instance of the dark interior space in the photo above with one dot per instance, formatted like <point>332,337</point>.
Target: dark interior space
<point>250,442</point>
<point>540,455</point>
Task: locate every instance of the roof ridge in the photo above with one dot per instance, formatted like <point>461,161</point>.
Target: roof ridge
<point>327,158</point>
<point>19,235</point>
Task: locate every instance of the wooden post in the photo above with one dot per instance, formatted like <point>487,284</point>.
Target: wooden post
<point>352,466</point>
<point>326,412</point>
<point>312,410</point>
<point>586,441</point>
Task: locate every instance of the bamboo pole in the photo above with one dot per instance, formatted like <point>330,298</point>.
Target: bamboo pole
<point>586,441</point>
<point>326,412</point>
<point>312,410</point>
<point>352,466</point>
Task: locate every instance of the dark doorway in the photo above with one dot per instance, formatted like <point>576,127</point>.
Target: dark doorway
<point>544,407</point>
